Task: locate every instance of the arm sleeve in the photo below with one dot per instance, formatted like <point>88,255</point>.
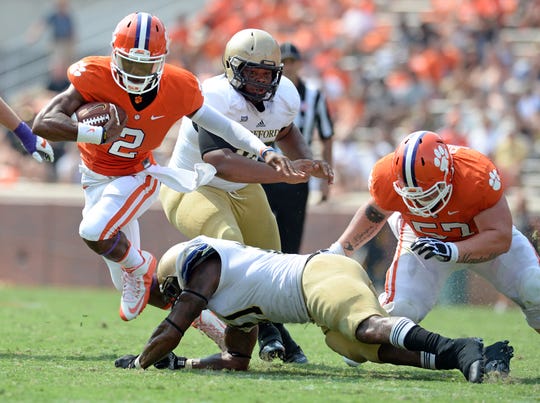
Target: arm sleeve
<point>234,133</point>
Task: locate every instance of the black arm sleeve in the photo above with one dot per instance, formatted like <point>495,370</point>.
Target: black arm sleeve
<point>210,142</point>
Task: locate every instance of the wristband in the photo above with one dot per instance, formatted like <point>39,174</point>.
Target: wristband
<point>136,363</point>
<point>265,150</point>
<point>89,134</point>
<point>27,137</point>
<point>454,252</point>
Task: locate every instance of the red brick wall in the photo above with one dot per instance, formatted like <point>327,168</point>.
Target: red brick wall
<point>40,244</point>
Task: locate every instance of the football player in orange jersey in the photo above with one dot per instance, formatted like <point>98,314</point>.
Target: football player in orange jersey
<point>36,146</point>
<point>446,207</point>
<point>120,177</point>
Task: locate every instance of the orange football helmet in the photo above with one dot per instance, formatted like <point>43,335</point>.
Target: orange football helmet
<point>139,47</point>
<point>423,168</point>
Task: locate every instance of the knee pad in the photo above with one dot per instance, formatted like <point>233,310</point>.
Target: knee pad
<point>89,231</point>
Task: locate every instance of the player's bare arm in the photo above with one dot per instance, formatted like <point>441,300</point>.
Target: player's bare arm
<point>240,345</point>
<point>237,168</point>
<point>54,121</point>
<point>189,304</point>
<point>494,236</point>
<point>365,224</point>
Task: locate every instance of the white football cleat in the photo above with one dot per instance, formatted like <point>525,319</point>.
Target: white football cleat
<point>136,287</point>
<point>209,324</point>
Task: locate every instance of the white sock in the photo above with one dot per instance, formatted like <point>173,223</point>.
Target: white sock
<point>427,360</point>
<point>399,331</point>
<point>132,258</point>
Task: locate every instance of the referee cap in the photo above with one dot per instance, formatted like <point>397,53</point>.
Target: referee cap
<point>289,51</point>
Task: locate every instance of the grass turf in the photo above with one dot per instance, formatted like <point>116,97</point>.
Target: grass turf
<point>60,345</point>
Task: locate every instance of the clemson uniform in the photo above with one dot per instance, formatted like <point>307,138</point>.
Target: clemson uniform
<point>121,180</point>
<point>414,283</point>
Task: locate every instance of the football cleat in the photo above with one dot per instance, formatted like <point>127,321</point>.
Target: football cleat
<point>136,287</point>
<point>470,358</point>
<point>272,350</point>
<point>295,357</point>
<point>497,358</point>
<point>209,324</point>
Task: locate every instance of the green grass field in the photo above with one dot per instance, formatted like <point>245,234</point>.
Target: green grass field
<point>60,345</point>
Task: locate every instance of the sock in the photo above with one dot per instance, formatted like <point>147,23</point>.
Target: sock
<point>288,342</point>
<point>400,329</point>
<point>428,360</point>
<point>132,259</point>
<point>408,335</point>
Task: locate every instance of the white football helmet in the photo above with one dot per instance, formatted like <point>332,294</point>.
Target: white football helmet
<point>140,45</point>
<point>253,48</point>
<point>423,168</point>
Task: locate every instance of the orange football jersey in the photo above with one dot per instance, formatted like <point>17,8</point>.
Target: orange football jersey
<point>179,94</point>
<point>476,187</point>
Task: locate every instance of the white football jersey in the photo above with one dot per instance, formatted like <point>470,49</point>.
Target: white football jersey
<point>279,113</point>
<point>255,285</point>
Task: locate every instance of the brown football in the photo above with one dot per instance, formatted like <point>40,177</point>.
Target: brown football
<point>97,113</point>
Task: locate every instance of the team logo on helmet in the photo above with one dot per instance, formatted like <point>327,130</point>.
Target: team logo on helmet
<point>423,168</point>
<point>140,45</point>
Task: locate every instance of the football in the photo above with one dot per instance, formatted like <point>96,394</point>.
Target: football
<point>98,113</point>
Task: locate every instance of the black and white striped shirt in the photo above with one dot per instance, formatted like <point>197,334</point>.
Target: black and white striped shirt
<point>313,113</point>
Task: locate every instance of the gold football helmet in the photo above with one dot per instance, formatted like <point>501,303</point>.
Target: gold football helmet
<point>249,50</point>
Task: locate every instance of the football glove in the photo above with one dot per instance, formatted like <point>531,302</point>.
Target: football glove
<point>430,247</point>
<point>36,146</point>
<point>127,361</point>
<point>171,361</point>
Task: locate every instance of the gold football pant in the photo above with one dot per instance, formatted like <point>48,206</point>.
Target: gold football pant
<point>339,296</point>
<point>243,216</point>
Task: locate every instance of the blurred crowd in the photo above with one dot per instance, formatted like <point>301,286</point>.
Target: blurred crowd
<point>451,67</point>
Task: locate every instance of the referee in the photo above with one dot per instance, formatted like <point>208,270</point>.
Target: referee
<point>289,202</point>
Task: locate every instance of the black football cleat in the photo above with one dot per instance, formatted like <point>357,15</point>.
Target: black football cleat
<point>497,358</point>
<point>270,351</point>
<point>470,358</point>
<point>295,357</point>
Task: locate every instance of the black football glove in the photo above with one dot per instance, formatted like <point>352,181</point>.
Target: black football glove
<point>127,361</point>
<point>171,361</point>
<point>430,247</point>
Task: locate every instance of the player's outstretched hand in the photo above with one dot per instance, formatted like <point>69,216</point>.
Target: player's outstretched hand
<point>127,361</point>
<point>430,247</point>
<point>278,161</point>
<point>322,169</point>
<point>36,146</point>
<point>43,151</point>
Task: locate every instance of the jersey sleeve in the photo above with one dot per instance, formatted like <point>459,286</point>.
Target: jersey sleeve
<point>381,185</point>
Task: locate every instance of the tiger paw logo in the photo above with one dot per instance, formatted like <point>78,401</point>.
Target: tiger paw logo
<point>441,158</point>
<point>77,69</point>
<point>495,180</point>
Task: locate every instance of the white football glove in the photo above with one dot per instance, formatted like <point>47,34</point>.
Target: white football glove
<point>430,247</point>
<point>43,151</point>
<point>36,146</point>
